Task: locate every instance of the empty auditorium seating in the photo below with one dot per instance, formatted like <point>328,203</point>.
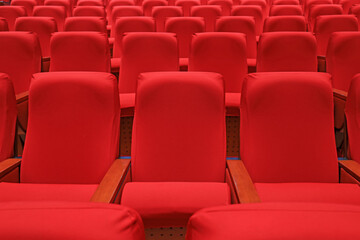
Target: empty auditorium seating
<point>286,2</point>
<point>285,23</point>
<point>149,4</point>
<point>57,12</point>
<point>225,5</point>
<point>223,53</point>
<point>115,3</point>
<point>209,12</point>
<point>252,11</point>
<point>289,116</point>
<point>184,28</point>
<point>325,25</point>
<point>3,25</point>
<point>310,3</point>
<point>169,107</point>
<point>124,25</point>
<point>65,3</point>
<point>281,10</point>
<point>79,51</point>
<point>347,4</point>
<point>89,11</point>
<point>72,138</point>
<point>10,13</point>
<point>27,4</point>
<point>161,13</point>
<point>144,52</point>
<point>123,11</point>
<point>323,9</point>
<point>261,3</point>
<point>97,24</point>
<point>44,27</point>
<point>187,5</point>
<point>90,3</point>
<point>275,221</point>
<point>8,117</point>
<point>83,221</point>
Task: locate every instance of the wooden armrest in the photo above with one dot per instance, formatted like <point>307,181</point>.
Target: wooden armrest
<point>352,167</point>
<point>8,165</point>
<point>244,187</point>
<point>340,94</point>
<point>22,97</point>
<point>112,181</point>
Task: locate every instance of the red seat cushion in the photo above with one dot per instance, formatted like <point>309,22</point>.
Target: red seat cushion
<point>309,192</point>
<point>46,192</point>
<point>49,220</point>
<point>172,203</point>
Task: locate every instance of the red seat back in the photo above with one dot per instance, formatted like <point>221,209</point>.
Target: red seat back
<point>284,10</point>
<point>57,12</point>
<point>27,4</point>
<point>161,13</point>
<point>323,9</point>
<point>123,11</point>
<point>89,11</point>
<point>149,4</point>
<point>254,11</point>
<point>3,25</point>
<point>226,6</point>
<point>10,13</point>
<point>285,23</point>
<point>187,5</point>
<point>210,13</point>
<point>96,24</point>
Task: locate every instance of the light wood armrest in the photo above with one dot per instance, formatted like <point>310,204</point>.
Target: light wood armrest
<point>22,97</point>
<point>112,181</point>
<point>9,165</point>
<point>244,187</point>
<point>351,167</point>
<point>340,94</point>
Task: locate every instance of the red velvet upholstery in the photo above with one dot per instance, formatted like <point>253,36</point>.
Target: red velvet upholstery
<point>296,221</point>
<point>252,11</point>
<point>187,5</point>
<point>27,4</point>
<point>3,24</point>
<point>10,13</point>
<point>261,3</point>
<point>44,27</point>
<point>97,24</point>
<point>65,3</point>
<point>89,11</point>
<point>118,3</point>
<point>323,9</point>
<point>149,4</point>
<point>173,203</point>
<point>81,221</point>
<point>123,11</point>
<point>7,117</point>
<point>87,106</point>
<point>287,129</point>
<point>285,23</point>
<point>287,51</point>
<point>347,4</point>
<point>326,25</point>
<point>210,13</point>
<point>161,13</point>
<point>79,51</point>
<point>342,58</point>
<point>283,10</point>
<point>352,113</point>
<point>90,3</point>
<point>286,2</point>
<point>225,5</point>
<point>20,57</point>
<point>57,12</point>
<point>308,4</point>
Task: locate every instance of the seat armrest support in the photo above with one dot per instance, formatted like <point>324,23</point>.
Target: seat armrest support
<point>351,167</point>
<point>22,97</point>
<point>9,165</point>
<point>340,94</point>
<point>244,187</point>
<point>113,181</point>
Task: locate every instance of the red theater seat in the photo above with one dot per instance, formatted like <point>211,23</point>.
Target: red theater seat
<point>79,51</point>
<point>123,11</point>
<point>81,221</point>
<point>284,10</point>
<point>27,4</point>
<point>323,9</point>
<point>8,117</point>
<point>161,13</point>
<point>89,11</point>
<point>286,2</point>
<point>280,114</point>
<point>326,25</point>
<point>90,3</point>
<point>225,5</point>
<point>3,25</point>
<point>347,4</point>
<point>223,53</point>
<point>184,28</point>
<point>57,12</point>
<point>67,4</point>
<point>275,221</point>
<point>97,24</point>
<point>187,5</point>
<point>252,11</point>
<point>83,106</point>
<point>177,175</point>
<point>285,23</point>
<point>117,3</point>
<point>10,13</point>
<point>261,3</point>
<point>210,13</point>
<point>310,3</point>
<point>287,51</point>
<point>149,4</point>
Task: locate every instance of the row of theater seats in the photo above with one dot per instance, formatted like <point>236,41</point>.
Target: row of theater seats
<point>178,163</point>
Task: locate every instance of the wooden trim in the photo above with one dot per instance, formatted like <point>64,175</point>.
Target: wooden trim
<point>340,94</point>
<point>9,165</point>
<point>244,187</point>
<point>351,167</point>
<point>22,97</point>
<point>111,183</point>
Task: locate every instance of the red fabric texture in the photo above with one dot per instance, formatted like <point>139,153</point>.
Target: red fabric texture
<point>57,12</point>
<point>285,23</point>
<point>96,24</point>
<point>67,4</point>
<point>179,128</point>
<point>20,57</point>
<point>149,4</point>
<point>146,52</point>
<point>210,13</point>
<point>254,11</point>
<point>286,2</point>
<point>124,11</point>
<point>323,9</point>
<point>27,4</point>
<point>161,13</point>
<point>90,3</point>
<point>287,51</point>
<point>118,3</point>
<point>7,117</point>
<point>310,3</point>
<point>89,11</point>
<point>326,25</point>
<point>44,27</point>
<point>225,5</point>
<point>287,128</point>
<point>187,5</point>
<point>3,24</point>
<point>77,139</point>
<point>172,203</point>
<point>274,221</point>
<point>79,51</point>
<point>10,13</point>
<point>59,220</point>
<point>261,3</point>
<point>285,10</point>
